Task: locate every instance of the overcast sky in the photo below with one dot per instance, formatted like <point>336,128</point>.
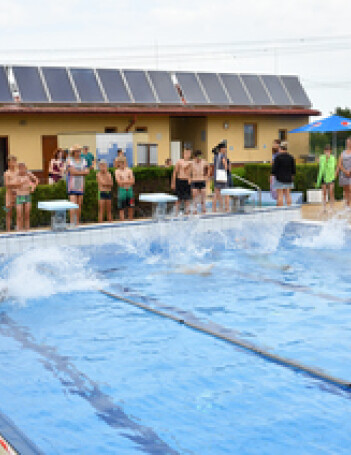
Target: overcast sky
<point>251,35</point>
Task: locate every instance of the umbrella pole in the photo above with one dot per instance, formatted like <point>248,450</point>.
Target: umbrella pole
<point>334,143</point>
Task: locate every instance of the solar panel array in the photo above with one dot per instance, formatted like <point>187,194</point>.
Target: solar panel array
<point>113,86</point>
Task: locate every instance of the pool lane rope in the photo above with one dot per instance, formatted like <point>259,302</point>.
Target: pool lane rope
<point>288,363</point>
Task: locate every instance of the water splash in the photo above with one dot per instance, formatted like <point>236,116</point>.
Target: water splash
<point>331,235</point>
<point>44,272</point>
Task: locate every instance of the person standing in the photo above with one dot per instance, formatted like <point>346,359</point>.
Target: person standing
<point>199,175</point>
<point>326,175</point>
<point>125,181</point>
<point>10,184</point>
<point>275,151</point>
<point>105,184</point>
<point>76,171</point>
<point>89,157</point>
<point>56,167</point>
<point>26,182</point>
<point>181,180</point>
<point>221,176</point>
<point>344,170</point>
<point>284,170</point>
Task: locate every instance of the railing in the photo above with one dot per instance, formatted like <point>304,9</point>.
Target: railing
<point>253,185</point>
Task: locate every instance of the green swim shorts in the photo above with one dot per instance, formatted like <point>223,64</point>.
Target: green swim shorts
<point>125,198</point>
<point>23,199</point>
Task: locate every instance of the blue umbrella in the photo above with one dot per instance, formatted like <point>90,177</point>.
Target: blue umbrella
<point>332,124</point>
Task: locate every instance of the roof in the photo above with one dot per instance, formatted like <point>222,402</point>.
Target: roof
<point>176,111</point>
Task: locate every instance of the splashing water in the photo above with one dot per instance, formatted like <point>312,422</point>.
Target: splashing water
<point>332,234</point>
<point>45,272</point>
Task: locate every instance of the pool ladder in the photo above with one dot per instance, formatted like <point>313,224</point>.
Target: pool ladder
<point>252,185</point>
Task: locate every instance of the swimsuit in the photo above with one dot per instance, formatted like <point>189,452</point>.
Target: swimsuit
<point>125,197</point>
<point>183,189</point>
<point>199,185</point>
<point>23,199</point>
<point>105,195</point>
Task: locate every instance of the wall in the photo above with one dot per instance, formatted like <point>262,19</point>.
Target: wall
<point>191,130</point>
<point>25,132</point>
<point>267,131</point>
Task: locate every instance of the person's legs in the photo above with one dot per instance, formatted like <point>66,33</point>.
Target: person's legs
<point>287,196</point>
<point>203,200</point>
<point>226,203</point>
<point>108,210</point>
<point>8,218</point>
<point>27,208</point>
<point>73,214</point>
<point>19,213</point>
<point>80,203</point>
<point>280,200</point>
<point>217,197</point>
<point>101,210</point>
<point>130,213</point>
<point>331,194</point>
<point>195,193</point>
<point>324,190</point>
<point>121,214</point>
<point>348,195</point>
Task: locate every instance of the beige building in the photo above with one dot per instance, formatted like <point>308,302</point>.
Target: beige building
<point>32,130</point>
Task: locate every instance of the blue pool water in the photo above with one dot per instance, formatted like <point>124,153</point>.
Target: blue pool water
<point>84,373</point>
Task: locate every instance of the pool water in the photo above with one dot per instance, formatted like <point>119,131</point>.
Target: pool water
<point>81,372</point>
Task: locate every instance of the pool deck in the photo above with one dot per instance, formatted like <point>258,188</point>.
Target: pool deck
<point>315,212</point>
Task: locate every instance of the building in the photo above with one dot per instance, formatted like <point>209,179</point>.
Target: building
<point>49,107</point>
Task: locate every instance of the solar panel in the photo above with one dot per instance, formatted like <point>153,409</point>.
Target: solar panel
<point>296,90</point>
<point>87,85</point>
<point>5,92</point>
<point>29,84</point>
<point>256,89</point>
<point>166,91</point>
<point>114,86</point>
<point>213,88</point>
<point>235,90</point>
<point>191,88</point>
<point>139,86</point>
<point>59,85</point>
<point>276,90</point>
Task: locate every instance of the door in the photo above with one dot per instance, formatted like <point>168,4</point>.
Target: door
<point>3,158</point>
<point>49,145</point>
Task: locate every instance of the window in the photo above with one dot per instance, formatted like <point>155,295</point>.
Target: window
<point>110,129</point>
<point>282,135</point>
<point>147,154</point>
<point>250,135</point>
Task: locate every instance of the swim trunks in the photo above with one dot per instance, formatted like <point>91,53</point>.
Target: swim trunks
<point>183,189</point>
<point>200,185</point>
<point>125,198</point>
<point>105,195</point>
<point>23,199</point>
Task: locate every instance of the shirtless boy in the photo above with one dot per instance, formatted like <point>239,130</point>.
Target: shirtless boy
<point>105,184</point>
<point>26,182</point>
<point>10,184</point>
<point>181,180</point>
<point>199,174</point>
<point>125,181</point>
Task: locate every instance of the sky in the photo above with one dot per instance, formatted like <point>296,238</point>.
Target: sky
<point>309,38</point>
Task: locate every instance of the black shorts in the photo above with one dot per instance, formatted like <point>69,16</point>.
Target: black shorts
<point>183,189</point>
<point>105,195</point>
<point>198,185</point>
<point>323,182</point>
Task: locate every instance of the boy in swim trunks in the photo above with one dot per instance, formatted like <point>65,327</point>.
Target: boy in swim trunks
<point>10,185</point>
<point>125,181</point>
<point>26,182</point>
<point>181,180</point>
<point>199,175</point>
<point>105,184</point>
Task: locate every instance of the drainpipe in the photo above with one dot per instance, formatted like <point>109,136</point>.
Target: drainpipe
<point>131,123</point>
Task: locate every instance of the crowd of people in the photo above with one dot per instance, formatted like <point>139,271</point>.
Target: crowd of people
<point>189,180</point>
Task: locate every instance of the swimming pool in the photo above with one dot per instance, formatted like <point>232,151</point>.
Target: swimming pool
<point>85,373</point>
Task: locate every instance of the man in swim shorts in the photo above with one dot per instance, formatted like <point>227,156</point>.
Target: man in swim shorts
<point>10,185</point>
<point>105,184</point>
<point>125,181</point>
<point>199,175</point>
<point>181,180</point>
<point>25,182</point>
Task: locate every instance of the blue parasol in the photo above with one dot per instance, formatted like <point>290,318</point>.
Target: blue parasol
<point>332,124</point>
